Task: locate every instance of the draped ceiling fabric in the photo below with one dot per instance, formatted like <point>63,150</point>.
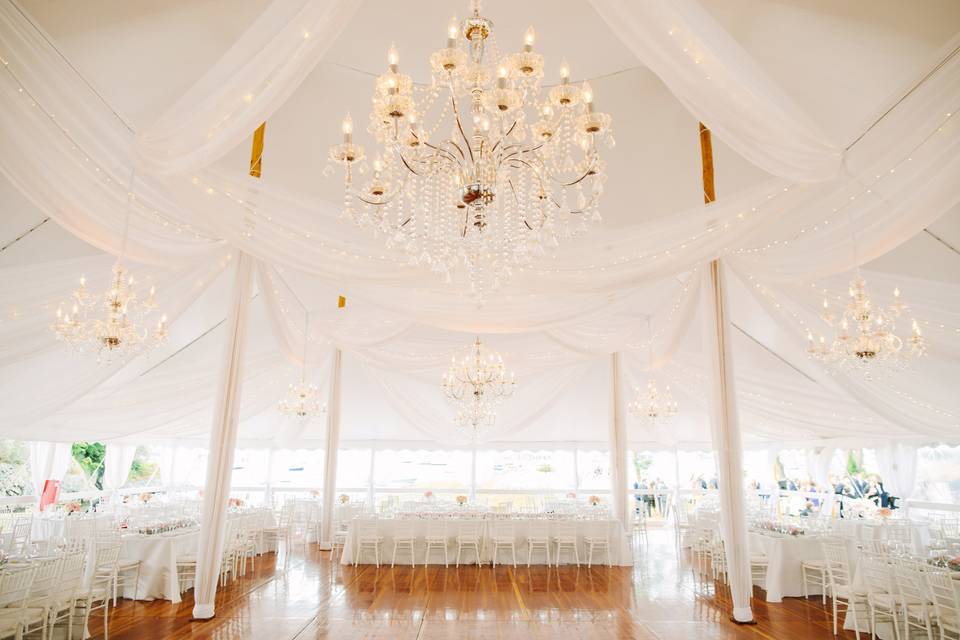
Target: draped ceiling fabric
<point>785,234</point>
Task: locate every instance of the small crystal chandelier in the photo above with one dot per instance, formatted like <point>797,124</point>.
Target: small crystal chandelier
<point>504,171</point>
<point>303,399</point>
<point>477,383</point>
<point>652,405</point>
<point>865,335</point>
<point>111,323</point>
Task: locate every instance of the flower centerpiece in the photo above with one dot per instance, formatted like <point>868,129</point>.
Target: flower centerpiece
<point>428,495</point>
<point>314,493</point>
<point>571,495</point>
<point>344,498</point>
<point>145,497</point>
<point>235,503</point>
<point>72,507</point>
<point>461,500</point>
<point>885,512</point>
<point>594,500</point>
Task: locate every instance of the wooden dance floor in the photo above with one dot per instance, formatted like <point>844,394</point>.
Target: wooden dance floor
<point>316,599</point>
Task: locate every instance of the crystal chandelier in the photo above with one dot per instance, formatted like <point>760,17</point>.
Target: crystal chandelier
<point>111,323</point>
<point>477,383</point>
<point>504,171</point>
<point>303,399</point>
<point>865,335</point>
<point>652,405</point>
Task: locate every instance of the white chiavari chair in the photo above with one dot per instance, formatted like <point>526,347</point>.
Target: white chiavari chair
<point>597,539</point>
<point>503,536</point>
<point>945,593</point>
<point>840,583</point>
<point>405,538</point>
<point>468,538</point>
<point>15,585</point>
<point>882,596</point>
<point>437,539</point>
<point>565,538</point>
<point>367,538</point>
<point>915,603</point>
<point>64,596</point>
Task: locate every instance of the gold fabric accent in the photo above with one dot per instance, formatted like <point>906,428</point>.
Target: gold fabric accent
<point>256,153</point>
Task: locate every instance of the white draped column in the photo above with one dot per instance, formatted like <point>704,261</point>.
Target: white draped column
<point>618,444</point>
<point>725,433</point>
<point>223,441</point>
<point>330,454</point>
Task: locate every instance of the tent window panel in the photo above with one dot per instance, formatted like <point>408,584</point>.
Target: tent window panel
<point>421,469</point>
<point>525,470</point>
<point>593,470</point>
<point>353,468</point>
<point>938,474</point>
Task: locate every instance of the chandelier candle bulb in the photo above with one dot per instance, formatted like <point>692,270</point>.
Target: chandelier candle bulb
<point>393,59</point>
<point>347,128</point>
<point>528,38</point>
<point>452,29</point>
<point>564,72</point>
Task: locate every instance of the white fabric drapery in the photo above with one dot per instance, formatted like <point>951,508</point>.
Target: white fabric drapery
<point>331,450</point>
<point>818,465</point>
<point>898,469</point>
<point>725,432</point>
<point>722,86</point>
<point>245,87</point>
<point>117,460</point>
<point>48,461</point>
<point>223,442</point>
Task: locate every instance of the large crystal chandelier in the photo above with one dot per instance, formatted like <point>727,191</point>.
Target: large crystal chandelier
<point>481,167</point>
<point>476,383</point>
<point>303,399</point>
<point>111,323</point>
<point>651,404</point>
<point>866,338</point>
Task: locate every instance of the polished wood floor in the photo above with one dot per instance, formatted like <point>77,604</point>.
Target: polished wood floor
<point>316,599</point>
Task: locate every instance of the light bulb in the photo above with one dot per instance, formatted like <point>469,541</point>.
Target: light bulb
<point>896,292</point>
<point>378,165</point>
<point>502,71</point>
<point>83,281</point>
<point>452,29</point>
<point>564,72</point>
<point>393,58</point>
<point>529,36</point>
<point>587,93</point>
<point>347,125</point>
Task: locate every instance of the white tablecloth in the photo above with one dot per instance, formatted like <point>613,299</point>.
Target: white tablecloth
<point>621,553</point>
<point>784,555</point>
<point>158,563</point>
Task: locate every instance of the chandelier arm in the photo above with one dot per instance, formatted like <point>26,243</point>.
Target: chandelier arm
<point>505,136</point>
<point>456,116</point>
<point>385,201</point>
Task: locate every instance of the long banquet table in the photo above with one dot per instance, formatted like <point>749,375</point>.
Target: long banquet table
<point>621,552</point>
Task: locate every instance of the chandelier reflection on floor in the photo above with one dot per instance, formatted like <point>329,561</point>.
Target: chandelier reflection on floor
<point>650,404</point>
<point>477,382</point>
<point>510,173</point>
<point>303,399</point>
<point>866,338</point>
<point>112,323</point>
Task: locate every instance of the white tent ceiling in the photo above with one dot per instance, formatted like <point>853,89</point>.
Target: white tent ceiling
<point>842,65</point>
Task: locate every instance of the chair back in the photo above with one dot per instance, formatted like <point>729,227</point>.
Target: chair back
<point>368,529</point>
<point>108,553</point>
<point>71,576</point>
<point>46,577</point>
<point>15,586</point>
<point>565,529</point>
<point>503,529</point>
<point>469,528</point>
<point>539,529</point>
<point>877,573</point>
<point>943,591</point>
<point>20,533</point>
<point>437,528</point>
<point>403,529</point>
<point>837,565</point>
<point>908,578</point>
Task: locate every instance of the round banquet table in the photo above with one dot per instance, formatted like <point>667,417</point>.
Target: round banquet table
<point>158,555</point>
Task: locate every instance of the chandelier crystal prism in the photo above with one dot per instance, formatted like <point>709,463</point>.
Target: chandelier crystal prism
<point>111,324</point>
<point>482,168</point>
<point>476,383</point>
<point>866,338</point>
